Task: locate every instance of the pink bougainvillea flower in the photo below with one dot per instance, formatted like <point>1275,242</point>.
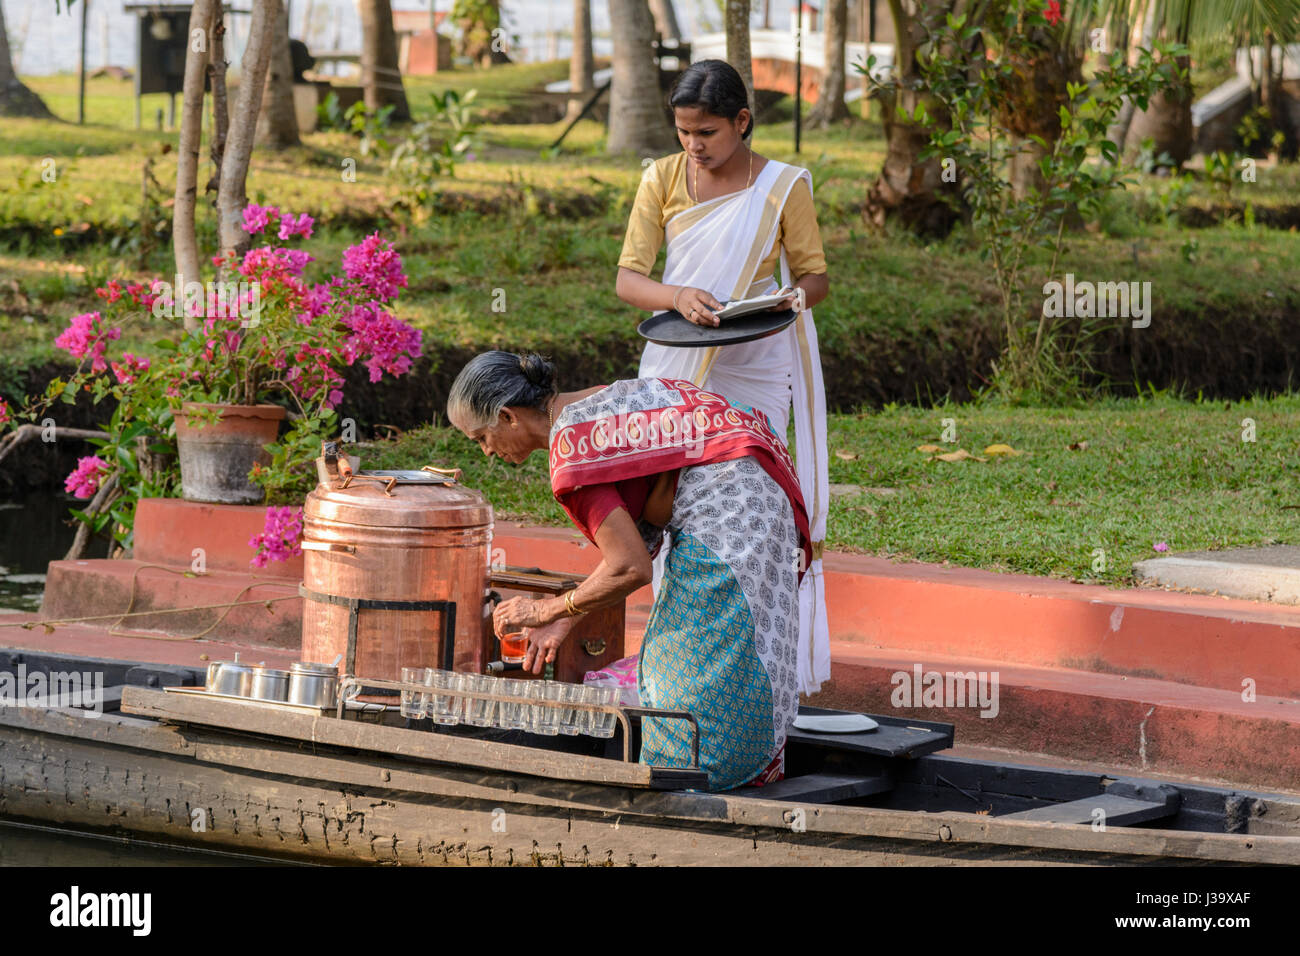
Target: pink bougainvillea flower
<point>299,226</point>
<point>376,266</point>
<point>84,336</point>
<point>257,218</point>
<point>1053,12</point>
<point>130,368</point>
<point>4,412</point>
<point>388,344</point>
<point>85,478</point>
<point>1160,546</point>
<point>281,536</point>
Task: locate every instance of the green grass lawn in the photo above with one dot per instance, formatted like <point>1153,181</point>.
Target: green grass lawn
<point>1142,472</point>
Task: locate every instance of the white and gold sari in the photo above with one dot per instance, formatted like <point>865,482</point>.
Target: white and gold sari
<point>718,245</point>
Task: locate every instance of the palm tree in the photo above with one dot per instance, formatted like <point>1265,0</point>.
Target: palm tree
<point>830,107</point>
<point>380,77</point>
<point>637,118</point>
<point>1037,91</point>
<point>15,98</point>
<point>736,19</point>
<point>908,187</point>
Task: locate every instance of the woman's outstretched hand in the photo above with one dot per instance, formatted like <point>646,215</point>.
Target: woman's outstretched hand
<point>544,643</point>
<point>520,612</point>
<point>701,304</point>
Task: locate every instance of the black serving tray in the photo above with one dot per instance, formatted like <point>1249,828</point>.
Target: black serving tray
<point>674,329</point>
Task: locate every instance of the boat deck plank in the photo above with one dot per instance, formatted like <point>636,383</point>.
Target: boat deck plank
<point>399,742</point>
<point>1107,808</point>
<point>820,788</point>
<point>894,737</point>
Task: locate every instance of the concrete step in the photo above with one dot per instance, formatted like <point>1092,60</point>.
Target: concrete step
<point>1137,722</point>
<point>98,588</point>
<point>85,640</point>
<point>1269,574</point>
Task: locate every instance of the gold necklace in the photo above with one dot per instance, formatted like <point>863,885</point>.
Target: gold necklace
<point>550,413</point>
<point>747,176</point>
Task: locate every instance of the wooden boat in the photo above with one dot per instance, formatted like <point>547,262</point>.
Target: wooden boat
<point>300,783</point>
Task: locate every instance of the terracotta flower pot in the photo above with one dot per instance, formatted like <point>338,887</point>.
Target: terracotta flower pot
<point>216,459</point>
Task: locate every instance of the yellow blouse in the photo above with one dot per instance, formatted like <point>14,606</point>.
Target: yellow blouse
<point>662,195</point>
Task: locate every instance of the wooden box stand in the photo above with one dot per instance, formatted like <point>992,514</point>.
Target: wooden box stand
<point>596,639</point>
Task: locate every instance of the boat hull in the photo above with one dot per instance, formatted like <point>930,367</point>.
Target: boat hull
<point>203,788</point>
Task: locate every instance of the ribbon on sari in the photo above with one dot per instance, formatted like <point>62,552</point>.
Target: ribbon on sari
<point>673,425</point>
<point>718,245</point>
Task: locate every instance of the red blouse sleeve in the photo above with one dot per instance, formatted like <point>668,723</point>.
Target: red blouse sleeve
<point>592,505</point>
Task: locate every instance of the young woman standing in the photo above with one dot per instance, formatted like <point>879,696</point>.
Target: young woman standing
<point>730,218</point>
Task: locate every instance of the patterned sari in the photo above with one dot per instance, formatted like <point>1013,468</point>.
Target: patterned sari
<point>722,640</point>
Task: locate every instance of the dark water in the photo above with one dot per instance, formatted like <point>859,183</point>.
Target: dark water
<point>23,845</point>
<point>34,531</point>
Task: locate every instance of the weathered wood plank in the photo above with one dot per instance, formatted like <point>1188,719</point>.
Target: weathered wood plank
<point>895,737</point>
<point>396,741</point>
<point>820,788</point>
<point>1114,810</point>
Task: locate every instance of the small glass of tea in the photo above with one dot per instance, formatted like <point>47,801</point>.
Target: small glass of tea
<point>513,647</point>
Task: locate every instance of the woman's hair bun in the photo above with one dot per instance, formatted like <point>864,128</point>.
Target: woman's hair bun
<point>538,371</point>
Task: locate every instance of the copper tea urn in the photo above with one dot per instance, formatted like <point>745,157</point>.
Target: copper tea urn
<point>388,566</point>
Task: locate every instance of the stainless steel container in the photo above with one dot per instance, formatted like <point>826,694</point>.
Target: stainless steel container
<point>232,679</point>
<point>316,685</point>
<point>268,683</point>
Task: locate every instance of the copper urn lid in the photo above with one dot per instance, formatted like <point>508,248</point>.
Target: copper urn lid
<point>411,504</point>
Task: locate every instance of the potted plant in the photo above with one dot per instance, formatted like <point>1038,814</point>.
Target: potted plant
<point>203,413</point>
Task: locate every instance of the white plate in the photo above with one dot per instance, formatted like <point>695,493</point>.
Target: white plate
<point>835,723</point>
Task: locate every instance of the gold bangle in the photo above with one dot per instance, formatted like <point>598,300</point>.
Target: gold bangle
<point>570,606</point>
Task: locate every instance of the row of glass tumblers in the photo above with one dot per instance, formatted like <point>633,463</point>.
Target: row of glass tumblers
<point>504,714</point>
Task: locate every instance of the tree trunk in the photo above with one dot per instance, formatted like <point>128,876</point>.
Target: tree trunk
<point>184,242</point>
<point>220,107</point>
<point>380,77</point>
<point>1037,90</point>
<point>736,23</point>
<point>15,98</point>
<point>665,20</point>
<point>581,62</point>
<point>1118,133</point>
<point>907,188</point>
<point>277,124</point>
<point>830,107</point>
<point>638,120</point>
<point>232,195</point>
<point>1167,121</point>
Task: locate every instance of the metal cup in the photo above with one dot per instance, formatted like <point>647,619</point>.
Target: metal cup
<point>315,685</point>
<point>269,683</point>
